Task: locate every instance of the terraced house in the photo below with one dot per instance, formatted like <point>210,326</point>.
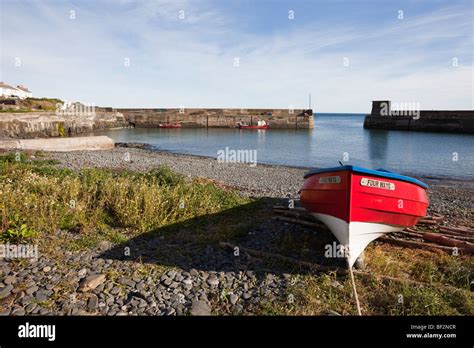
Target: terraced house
<point>19,91</point>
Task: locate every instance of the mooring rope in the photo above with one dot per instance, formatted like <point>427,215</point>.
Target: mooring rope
<point>354,290</point>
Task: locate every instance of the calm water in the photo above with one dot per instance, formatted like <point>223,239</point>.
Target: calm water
<point>334,138</point>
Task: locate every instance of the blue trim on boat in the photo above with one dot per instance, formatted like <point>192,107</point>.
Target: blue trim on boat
<point>379,172</point>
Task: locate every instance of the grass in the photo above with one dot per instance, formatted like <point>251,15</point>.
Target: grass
<point>38,197</point>
<point>317,294</point>
<point>34,104</point>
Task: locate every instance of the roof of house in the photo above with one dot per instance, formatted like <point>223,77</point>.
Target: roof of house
<point>3,85</point>
<point>23,88</point>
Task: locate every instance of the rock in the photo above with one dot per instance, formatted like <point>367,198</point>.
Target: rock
<point>31,307</point>
<point>171,273</point>
<point>104,245</point>
<point>200,308</point>
<point>41,295</point>
<point>91,282</point>
<point>8,280</point>
<point>93,302</point>
<point>188,281</point>
<point>247,295</point>
<point>233,298</point>
<point>170,311</point>
<point>31,290</point>
<point>4,292</point>
<point>212,280</point>
<point>193,273</point>
<point>82,273</point>
<point>46,269</point>
<point>19,311</point>
<point>128,282</point>
<point>27,299</point>
<point>5,311</point>
<point>167,281</point>
<point>333,313</point>
<point>140,286</point>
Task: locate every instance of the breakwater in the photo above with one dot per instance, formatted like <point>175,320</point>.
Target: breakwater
<point>449,121</point>
<point>219,118</point>
<point>50,124</point>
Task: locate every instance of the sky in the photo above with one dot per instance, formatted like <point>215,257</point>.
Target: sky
<point>242,53</point>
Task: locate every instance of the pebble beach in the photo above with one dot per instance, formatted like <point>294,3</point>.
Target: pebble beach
<point>203,280</point>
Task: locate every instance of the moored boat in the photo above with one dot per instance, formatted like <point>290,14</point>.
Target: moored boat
<point>260,125</point>
<point>169,125</point>
<point>359,205</point>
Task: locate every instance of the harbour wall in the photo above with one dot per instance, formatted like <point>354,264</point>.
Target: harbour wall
<point>49,124</point>
<point>219,118</point>
<point>449,121</point>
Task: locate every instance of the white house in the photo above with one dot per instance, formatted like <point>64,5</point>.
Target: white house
<point>20,91</point>
<point>24,92</point>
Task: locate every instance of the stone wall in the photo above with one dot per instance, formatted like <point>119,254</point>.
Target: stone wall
<point>48,124</point>
<point>218,118</point>
<point>59,144</point>
<point>452,121</point>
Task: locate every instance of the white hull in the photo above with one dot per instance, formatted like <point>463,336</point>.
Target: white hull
<point>355,235</point>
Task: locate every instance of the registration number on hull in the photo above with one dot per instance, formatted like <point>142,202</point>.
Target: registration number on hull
<point>330,180</point>
<point>385,185</point>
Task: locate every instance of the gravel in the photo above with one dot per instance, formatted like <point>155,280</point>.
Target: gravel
<point>253,181</point>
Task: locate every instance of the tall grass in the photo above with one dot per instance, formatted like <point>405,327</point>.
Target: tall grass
<point>43,198</point>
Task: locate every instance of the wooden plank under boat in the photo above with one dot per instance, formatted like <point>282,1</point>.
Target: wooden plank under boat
<point>359,205</point>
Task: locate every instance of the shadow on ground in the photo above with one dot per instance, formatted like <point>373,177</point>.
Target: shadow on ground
<point>194,243</point>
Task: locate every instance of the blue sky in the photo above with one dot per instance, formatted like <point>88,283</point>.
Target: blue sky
<point>345,53</point>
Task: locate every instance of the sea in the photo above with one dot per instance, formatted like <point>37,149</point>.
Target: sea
<point>335,139</point>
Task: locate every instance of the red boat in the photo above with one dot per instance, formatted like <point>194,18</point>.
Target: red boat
<point>359,205</point>
<point>259,125</point>
<point>168,125</point>
<point>253,127</point>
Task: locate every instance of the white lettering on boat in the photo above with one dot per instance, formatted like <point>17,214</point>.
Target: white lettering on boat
<point>385,185</point>
<point>330,180</point>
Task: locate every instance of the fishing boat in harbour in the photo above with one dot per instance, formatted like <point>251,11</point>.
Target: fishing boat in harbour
<point>260,125</point>
<point>359,205</point>
<point>168,125</point>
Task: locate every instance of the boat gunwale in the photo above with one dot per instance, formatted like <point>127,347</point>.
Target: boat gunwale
<point>378,173</point>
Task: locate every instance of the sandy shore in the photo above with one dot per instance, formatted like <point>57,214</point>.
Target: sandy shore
<point>452,198</point>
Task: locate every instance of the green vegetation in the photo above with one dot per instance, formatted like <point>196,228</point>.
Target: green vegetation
<point>36,196</point>
<point>33,104</point>
<point>448,293</point>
